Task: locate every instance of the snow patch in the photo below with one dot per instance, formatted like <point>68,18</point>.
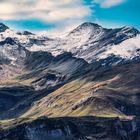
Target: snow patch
<point>128,49</point>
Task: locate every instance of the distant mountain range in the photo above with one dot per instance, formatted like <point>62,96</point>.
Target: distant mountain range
<point>82,86</point>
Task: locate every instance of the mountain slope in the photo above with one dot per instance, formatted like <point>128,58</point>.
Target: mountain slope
<point>128,49</point>
<point>105,92</point>
<point>90,77</point>
<point>42,74</point>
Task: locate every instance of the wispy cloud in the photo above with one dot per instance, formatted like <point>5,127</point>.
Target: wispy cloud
<point>109,3</point>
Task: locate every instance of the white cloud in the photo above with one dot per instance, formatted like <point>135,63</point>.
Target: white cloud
<point>63,13</point>
<point>109,3</point>
<point>46,10</point>
<point>67,13</point>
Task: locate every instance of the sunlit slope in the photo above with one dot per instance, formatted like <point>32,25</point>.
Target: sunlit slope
<point>106,92</point>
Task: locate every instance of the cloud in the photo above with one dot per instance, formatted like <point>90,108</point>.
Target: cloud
<point>63,13</point>
<point>109,3</point>
<point>46,10</point>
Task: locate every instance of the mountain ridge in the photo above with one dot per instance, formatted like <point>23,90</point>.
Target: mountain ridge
<point>84,86</point>
<point>88,41</point>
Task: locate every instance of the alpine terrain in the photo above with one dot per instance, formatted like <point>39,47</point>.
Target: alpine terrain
<point>81,86</point>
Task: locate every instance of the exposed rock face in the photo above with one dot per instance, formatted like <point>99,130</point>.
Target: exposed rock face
<point>85,128</point>
<point>3,27</point>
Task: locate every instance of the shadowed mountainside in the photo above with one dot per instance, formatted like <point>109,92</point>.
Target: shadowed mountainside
<point>73,129</point>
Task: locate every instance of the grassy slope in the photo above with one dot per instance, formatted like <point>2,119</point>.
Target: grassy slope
<point>102,92</point>
<point>105,93</point>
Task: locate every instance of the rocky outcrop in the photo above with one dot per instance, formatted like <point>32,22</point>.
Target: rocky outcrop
<point>84,128</point>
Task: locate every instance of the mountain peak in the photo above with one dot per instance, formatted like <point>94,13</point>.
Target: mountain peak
<point>86,28</point>
<point>3,27</point>
<point>87,24</point>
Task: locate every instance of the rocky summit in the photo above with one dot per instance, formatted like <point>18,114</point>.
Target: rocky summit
<point>81,86</point>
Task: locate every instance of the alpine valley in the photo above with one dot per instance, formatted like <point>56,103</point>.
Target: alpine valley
<point>84,85</point>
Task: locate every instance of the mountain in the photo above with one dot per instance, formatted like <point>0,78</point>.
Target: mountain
<point>83,86</point>
<point>88,41</point>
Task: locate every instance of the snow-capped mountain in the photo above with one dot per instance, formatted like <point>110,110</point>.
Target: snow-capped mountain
<point>91,42</point>
<point>42,79</point>
<point>88,41</point>
<point>13,44</point>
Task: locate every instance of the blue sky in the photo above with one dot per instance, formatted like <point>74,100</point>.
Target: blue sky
<point>58,16</point>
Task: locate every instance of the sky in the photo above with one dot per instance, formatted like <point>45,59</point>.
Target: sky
<point>59,16</point>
